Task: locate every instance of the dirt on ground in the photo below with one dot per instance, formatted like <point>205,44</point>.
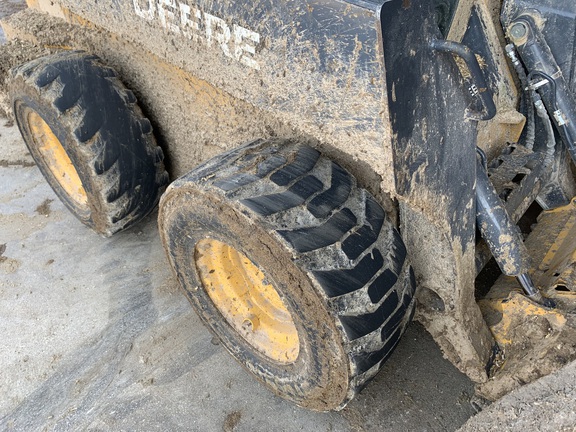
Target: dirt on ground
<point>547,405</point>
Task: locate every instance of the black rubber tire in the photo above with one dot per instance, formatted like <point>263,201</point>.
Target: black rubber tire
<point>326,245</point>
<point>103,131</point>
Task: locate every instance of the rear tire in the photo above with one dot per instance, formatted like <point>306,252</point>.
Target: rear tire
<point>324,245</point>
<point>89,139</point>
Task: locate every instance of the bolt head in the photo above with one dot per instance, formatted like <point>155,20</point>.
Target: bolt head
<point>518,30</point>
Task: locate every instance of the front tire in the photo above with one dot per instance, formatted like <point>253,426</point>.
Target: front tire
<point>296,269</point>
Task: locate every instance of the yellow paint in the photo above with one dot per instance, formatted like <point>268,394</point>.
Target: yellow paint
<point>73,18</point>
<point>50,7</point>
<point>32,4</point>
<point>56,158</point>
<point>514,310</point>
<point>251,305</point>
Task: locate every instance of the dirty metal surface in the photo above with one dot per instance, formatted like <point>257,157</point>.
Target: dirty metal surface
<point>435,156</point>
<point>548,404</point>
<point>8,7</point>
<point>536,341</point>
<point>316,64</point>
<point>556,253</point>
<point>517,177</point>
<point>555,15</point>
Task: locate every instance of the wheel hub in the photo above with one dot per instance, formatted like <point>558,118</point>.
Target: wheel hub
<point>250,304</point>
<point>56,158</point>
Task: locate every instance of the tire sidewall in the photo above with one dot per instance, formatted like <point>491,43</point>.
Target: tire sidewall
<point>29,99</point>
<point>318,379</point>
<point>102,129</point>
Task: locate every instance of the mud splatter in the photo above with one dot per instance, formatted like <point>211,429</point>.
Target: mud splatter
<point>7,265</point>
<point>232,421</point>
<point>2,250</point>
<point>19,163</point>
<point>44,208</point>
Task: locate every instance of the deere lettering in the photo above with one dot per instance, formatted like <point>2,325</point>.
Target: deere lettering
<point>235,41</point>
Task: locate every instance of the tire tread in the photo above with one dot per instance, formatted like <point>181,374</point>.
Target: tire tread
<point>131,177</point>
<point>349,224</point>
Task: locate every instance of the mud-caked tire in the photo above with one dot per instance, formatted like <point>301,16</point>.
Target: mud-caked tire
<point>89,138</point>
<point>299,225</point>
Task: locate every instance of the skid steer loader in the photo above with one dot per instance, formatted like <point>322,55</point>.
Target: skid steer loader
<point>339,167</point>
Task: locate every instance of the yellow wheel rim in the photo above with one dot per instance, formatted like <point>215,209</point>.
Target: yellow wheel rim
<point>253,307</point>
<point>56,159</point>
